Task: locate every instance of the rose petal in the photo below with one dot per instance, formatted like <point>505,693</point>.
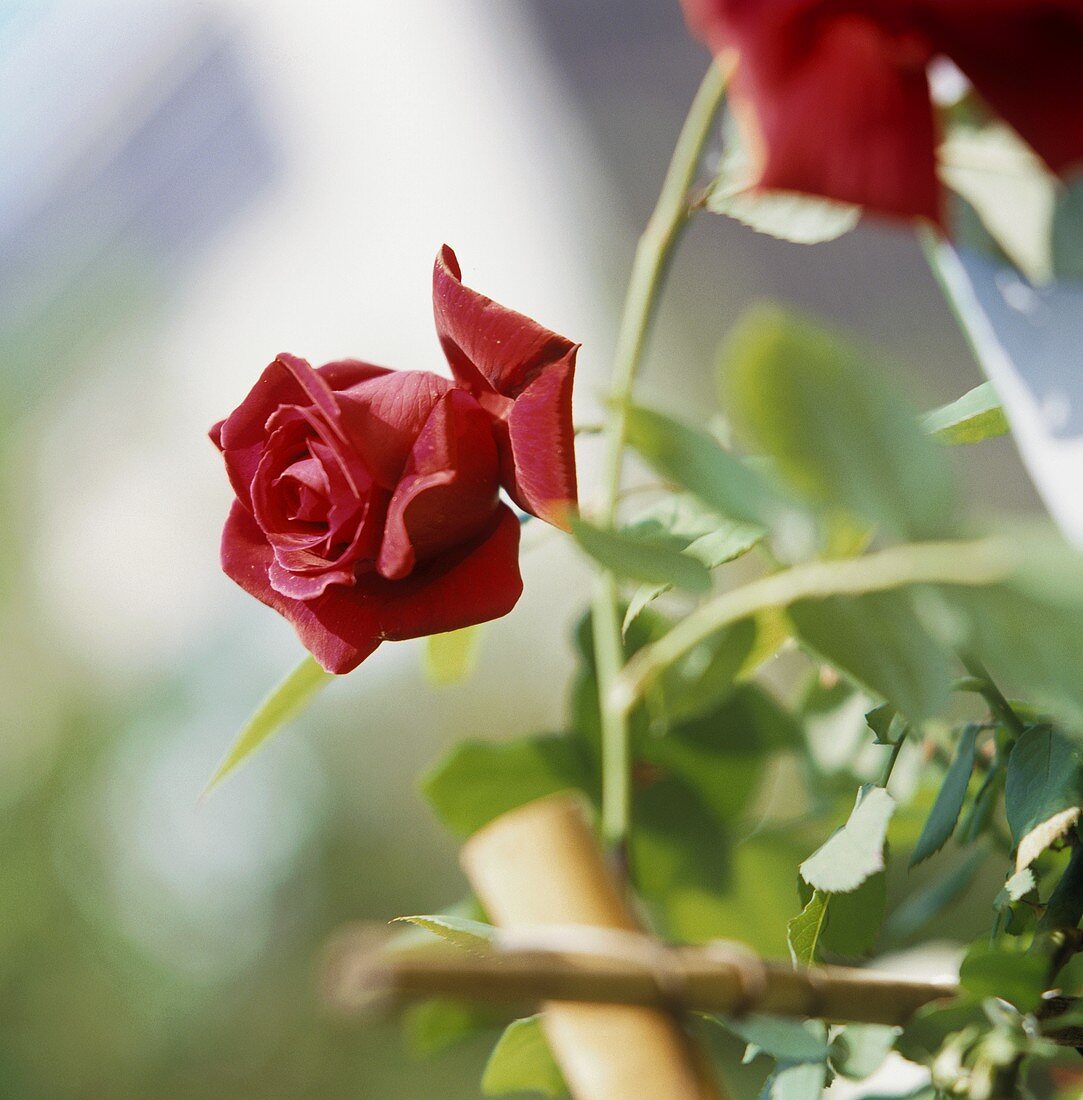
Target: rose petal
<point>449,489</point>
<point>487,345</point>
<point>1026,58</point>
<point>541,441</point>
<point>473,584</point>
<point>841,107</point>
<point>383,416</point>
<point>297,585</point>
<point>242,434</point>
<point>246,559</point>
<point>340,374</point>
<point>288,380</point>
<point>343,626</point>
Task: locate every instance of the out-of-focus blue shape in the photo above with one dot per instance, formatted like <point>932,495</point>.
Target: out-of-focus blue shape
<point>136,139</point>
<point>1029,341</point>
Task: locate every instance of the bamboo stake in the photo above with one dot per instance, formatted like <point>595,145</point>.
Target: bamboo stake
<point>719,978</point>
<point>540,866</point>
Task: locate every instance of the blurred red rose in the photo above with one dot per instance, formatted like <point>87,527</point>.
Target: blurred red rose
<point>368,499</point>
<point>835,97</point>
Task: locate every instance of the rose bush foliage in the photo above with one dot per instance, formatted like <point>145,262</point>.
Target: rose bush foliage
<point>368,500</point>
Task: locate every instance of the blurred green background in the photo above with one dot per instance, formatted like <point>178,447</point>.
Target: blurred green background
<point>188,189</point>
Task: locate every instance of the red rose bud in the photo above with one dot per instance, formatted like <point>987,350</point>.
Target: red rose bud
<point>368,503</point>
<point>836,95</point>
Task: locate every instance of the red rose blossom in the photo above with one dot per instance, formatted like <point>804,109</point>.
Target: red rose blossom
<point>368,499</point>
<point>836,96</point>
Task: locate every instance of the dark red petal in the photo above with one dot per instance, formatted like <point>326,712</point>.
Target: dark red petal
<point>383,416</point>
<point>834,102</point>
<point>541,439</point>
<point>488,345</point>
<point>247,558</point>
<point>242,434</point>
<point>343,626</point>
<point>472,584</point>
<point>843,114</point>
<point>1025,57</point>
<point>449,489</point>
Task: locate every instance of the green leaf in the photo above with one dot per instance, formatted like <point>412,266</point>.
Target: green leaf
<point>1068,233</point>
<point>642,559</point>
<point>684,517</point>
<point>804,930</point>
<point>452,657</point>
<point>927,903</point>
<point>928,1029</point>
<point>940,823</point>
<point>886,722</point>
<point>854,919</point>
<point>1044,790</point>
<point>856,851</point>
<point>521,1061</point>
<point>837,432</point>
<point>678,843</point>
<point>722,542</point>
<point>1009,187</point>
<point>438,1024</point>
<point>723,753</point>
<point>286,701</point>
<point>1028,630</point>
<point>479,780</point>
<point>695,461</point>
<point>740,897</point>
<point>705,677</point>
<point>878,640</point>
<point>473,935</point>
<point>859,1050</point>
<point>1018,886</point>
<point>975,416</point>
<point>800,1082</point>
<point>844,925</point>
<point>787,215</point>
<point>792,1041</point>
<point>991,971</point>
<point>984,806</point>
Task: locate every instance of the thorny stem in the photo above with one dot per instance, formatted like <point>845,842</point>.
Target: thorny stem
<point>652,256</point>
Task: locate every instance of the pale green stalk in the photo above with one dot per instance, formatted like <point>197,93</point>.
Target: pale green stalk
<point>978,562</point>
<point>652,255</point>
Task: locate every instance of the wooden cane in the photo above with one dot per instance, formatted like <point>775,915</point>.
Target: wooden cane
<point>540,865</point>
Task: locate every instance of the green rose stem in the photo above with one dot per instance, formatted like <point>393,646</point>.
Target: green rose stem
<point>963,562</point>
<point>652,256</point>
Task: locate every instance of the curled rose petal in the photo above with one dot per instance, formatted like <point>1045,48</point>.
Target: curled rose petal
<point>542,443</point>
<point>448,490</point>
<point>522,373</point>
<point>242,435</point>
<point>383,416</point>
<point>478,582</point>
